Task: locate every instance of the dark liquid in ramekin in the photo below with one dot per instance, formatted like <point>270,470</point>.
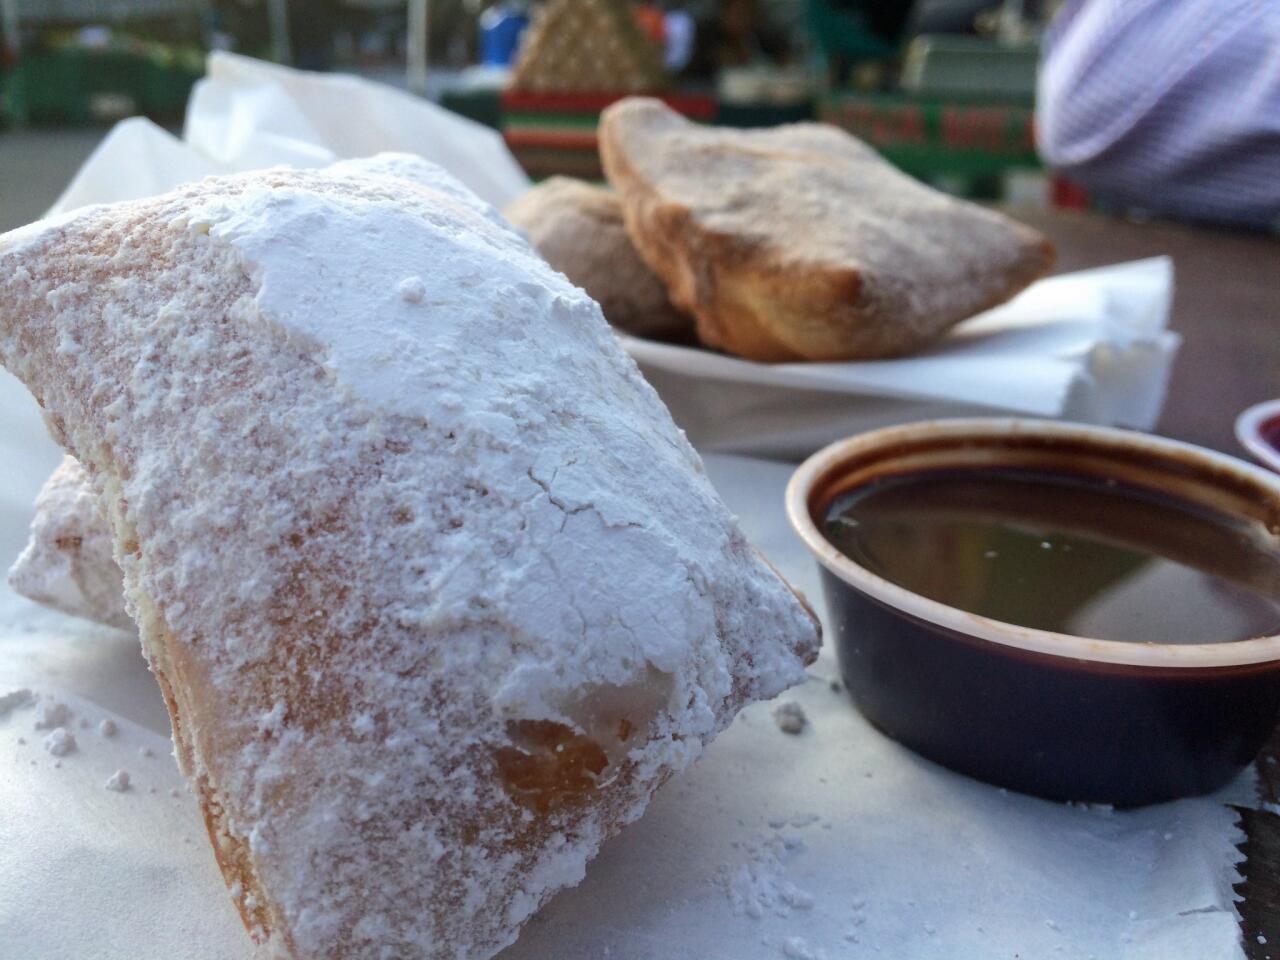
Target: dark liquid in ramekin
<point>1069,554</point>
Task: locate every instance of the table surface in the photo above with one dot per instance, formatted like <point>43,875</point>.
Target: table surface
<point>1227,307</point>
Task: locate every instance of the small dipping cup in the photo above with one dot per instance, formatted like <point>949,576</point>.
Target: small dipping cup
<point>1054,715</point>
<point>1258,430</point>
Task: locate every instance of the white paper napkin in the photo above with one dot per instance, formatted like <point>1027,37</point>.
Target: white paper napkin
<point>1089,346</point>
<point>135,159</point>
<point>245,110</point>
<point>835,843</point>
<point>247,114</point>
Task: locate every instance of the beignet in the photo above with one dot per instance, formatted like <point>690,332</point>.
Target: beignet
<point>577,227</point>
<point>436,592</point>
<point>801,242</point>
<point>67,564</point>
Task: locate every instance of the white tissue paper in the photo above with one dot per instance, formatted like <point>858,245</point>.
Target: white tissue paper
<point>247,114</point>
<point>1089,346</point>
<point>136,159</point>
<point>836,843</point>
<point>830,844</point>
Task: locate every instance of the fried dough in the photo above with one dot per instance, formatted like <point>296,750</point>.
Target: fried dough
<point>435,591</point>
<point>800,242</point>
<point>578,229</point>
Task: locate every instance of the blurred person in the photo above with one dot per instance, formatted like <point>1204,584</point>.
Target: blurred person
<point>500,28</point>
<point>1170,107</point>
<point>312,24</point>
<point>652,21</point>
<point>681,30</point>
<point>737,35</point>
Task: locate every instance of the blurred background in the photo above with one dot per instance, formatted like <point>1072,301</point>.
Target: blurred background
<point>1167,108</point>
<point>944,88</point>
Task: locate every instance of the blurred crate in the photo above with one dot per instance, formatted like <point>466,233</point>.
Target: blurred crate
<point>555,133</point>
<point>945,66</point>
<point>481,104</point>
<point>763,114</point>
<point>105,11</point>
<point>167,78</point>
<point>939,140</point>
<point>62,86</point>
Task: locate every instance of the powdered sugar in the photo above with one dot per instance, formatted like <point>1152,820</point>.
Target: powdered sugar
<point>797,948</point>
<point>60,742</point>
<point>51,714</point>
<point>759,885</point>
<point>14,699</point>
<point>367,536</point>
<point>411,289</point>
<point>790,717</point>
<point>67,563</point>
<point>118,782</point>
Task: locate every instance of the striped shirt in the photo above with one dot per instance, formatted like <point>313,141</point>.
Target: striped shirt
<point>1168,106</point>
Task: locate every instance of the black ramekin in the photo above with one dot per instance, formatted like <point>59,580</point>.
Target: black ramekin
<point>1063,717</point>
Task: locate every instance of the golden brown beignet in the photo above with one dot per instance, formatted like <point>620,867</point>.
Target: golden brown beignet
<point>577,227</point>
<point>435,591</point>
<point>800,242</point>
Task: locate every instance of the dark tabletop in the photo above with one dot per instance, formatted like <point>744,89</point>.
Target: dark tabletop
<point>1226,305</point>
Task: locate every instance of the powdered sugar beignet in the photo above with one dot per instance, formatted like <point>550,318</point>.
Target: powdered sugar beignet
<point>67,564</point>
<point>435,590</point>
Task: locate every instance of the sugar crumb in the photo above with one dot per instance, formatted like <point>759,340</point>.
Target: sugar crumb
<point>759,885</point>
<point>790,718</point>
<point>411,289</point>
<point>118,781</point>
<point>51,714</point>
<point>15,699</point>
<point>60,742</point>
<point>797,948</point>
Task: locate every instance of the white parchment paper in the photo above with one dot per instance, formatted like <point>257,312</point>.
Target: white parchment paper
<point>1090,346</point>
<point>835,843</point>
<point>247,114</point>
